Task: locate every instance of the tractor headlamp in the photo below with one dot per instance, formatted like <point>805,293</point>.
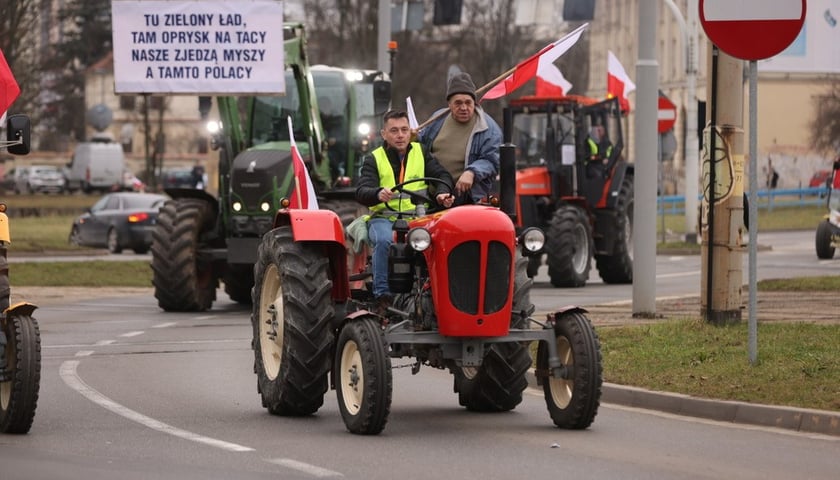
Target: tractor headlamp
<point>532,239</point>
<point>364,129</point>
<point>265,206</point>
<point>419,239</point>
<point>237,206</point>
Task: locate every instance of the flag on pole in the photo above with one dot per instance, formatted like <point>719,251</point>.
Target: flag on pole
<point>9,89</point>
<point>618,83</point>
<point>304,197</point>
<point>551,82</point>
<point>530,67</point>
<point>412,117</point>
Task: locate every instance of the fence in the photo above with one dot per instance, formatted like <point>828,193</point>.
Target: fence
<point>767,199</point>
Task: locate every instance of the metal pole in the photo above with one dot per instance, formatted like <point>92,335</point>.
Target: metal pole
<point>752,335</point>
<point>383,35</point>
<point>692,148</point>
<point>645,143</point>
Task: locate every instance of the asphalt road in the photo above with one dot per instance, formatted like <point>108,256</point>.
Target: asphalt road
<point>129,391</point>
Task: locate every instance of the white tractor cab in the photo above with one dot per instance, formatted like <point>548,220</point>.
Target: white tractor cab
<point>97,165</point>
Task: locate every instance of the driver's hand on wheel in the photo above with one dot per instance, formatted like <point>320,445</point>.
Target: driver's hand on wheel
<point>445,199</point>
<point>385,194</point>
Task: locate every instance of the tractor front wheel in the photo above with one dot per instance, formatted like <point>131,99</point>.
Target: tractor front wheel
<point>363,378</point>
<point>292,310</point>
<point>573,401</point>
<point>20,379</point>
<point>569,247</point>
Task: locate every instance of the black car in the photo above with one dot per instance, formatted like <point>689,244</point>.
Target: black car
<point>117,221</point>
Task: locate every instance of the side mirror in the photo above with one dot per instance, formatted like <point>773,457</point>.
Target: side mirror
<point>381,96</point>
<point>18,128</point>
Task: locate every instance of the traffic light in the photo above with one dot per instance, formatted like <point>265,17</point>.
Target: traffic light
<point>447,12</point>
<point>578,10</point>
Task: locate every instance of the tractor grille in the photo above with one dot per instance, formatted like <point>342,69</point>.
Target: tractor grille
<point>497,281</point>
<point>464,261</point>
<point>464,277</point>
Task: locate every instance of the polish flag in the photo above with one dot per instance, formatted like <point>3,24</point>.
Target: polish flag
<point>304,197</point>
<point>9,89</point>
<point>618,83</point>
<point>532,66</point>
<point>551,82</point>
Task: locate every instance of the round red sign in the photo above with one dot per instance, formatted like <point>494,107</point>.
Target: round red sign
<point>752,29</point>
<point>666,115</point>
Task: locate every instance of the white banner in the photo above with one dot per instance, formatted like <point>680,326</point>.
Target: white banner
<point>815,50</point>
<point>198,47</point>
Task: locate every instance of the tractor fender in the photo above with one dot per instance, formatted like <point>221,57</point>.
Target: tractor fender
<point>20,308</point>
<point>196,193</point>
<point>324,228</point>
<point>622,169</point>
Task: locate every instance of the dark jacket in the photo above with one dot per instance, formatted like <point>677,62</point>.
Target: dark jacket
<point>368,189</point>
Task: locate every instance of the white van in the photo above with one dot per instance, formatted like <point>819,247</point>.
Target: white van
<point>96,165</point>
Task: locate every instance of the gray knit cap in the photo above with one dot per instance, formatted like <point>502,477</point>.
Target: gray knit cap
<point>460,83</point>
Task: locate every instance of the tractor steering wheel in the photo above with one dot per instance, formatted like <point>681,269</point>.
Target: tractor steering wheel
<point>416,196</point>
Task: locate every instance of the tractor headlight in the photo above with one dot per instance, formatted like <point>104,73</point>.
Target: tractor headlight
<point>237,206</point>
<point>419,239</point>
<point>532,239</point>
<point>264,206</point>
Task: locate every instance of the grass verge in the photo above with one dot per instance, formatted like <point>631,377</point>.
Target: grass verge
<point>96,273</point>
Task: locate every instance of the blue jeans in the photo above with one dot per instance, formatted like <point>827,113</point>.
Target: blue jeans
<point>381,236</point>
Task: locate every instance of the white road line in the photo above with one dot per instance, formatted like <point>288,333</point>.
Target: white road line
<point>165,325</point>
<point>133,334</point>
<point>102,343</point>
<point>678,274</point>
<point>72,379</point>
<point>309,469</point>
<point>113,343</point>
<point>84,353</point>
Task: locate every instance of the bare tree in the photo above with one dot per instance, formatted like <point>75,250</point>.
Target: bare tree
<point>18,20</point>
<point>825,128</point>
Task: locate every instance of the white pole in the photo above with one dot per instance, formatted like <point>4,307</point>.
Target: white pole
<point>692,147</point>
<point>645,142</point>
<point>383,35</point>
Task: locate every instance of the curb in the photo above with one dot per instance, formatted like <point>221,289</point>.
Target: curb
<point>799,419</point>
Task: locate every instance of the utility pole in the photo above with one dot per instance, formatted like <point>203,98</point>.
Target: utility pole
<point>644,182</point>
<point>383,36</point>
<point>692,148</point>
<point>723,187</point>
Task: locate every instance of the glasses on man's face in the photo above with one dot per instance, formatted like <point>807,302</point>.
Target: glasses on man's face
<point>398,130</point>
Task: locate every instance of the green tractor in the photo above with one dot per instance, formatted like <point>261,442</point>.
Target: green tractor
<point>200,239</point>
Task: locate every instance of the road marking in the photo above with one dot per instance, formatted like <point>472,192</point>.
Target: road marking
<point>165,325</point>
<point>84,353</point>
<point>678,274</point>
<point>133,334</point>
<point>307,468</point>
<point>102,343</point>
<point>72,379</point>
<point>113,343</point>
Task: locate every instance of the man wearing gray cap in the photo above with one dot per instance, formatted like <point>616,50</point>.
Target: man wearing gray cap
<point>465,141</point>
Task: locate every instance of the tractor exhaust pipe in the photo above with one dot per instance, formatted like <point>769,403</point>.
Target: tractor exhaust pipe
<point>507,168</point>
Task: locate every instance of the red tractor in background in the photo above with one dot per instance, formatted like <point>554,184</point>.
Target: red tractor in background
<point>582,200</point>
<point>462,303</point>
<point>828,230</point>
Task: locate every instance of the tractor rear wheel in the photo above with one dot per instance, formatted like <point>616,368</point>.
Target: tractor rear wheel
<point>569,247</point>
<point>183,282</point>
<point>573,402</point>
<point>618,267</point>
<point>824,249</point>
<point>19,393</point>
<point>363,378</point>
<point>291,324</point>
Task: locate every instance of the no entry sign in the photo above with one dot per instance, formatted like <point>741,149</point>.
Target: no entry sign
<point>666,115</point>
<point>752,29</point>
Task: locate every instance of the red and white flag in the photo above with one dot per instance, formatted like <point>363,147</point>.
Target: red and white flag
<point>304,197</point>
<point>530,67</point>
<point>9,89</point>
<point>551,82</point>
<point>618,83</point>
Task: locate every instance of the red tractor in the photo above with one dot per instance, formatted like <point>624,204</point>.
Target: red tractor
<point>462,303</point>
<point>576,189</point>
